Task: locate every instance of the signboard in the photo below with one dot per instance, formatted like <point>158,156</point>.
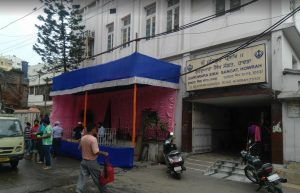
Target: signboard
<point>293,110</point>
<point>246,66</point>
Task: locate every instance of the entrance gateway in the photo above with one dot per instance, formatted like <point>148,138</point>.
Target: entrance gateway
<point>224,98</point>
<point>220,124</point>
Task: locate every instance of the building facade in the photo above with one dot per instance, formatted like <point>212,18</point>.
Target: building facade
<point>5,63</point>
<point>258,84</point>
<point>39,89</point>
<point>13,89</point>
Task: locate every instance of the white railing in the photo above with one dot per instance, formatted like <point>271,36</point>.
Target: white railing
<point>109,137</point>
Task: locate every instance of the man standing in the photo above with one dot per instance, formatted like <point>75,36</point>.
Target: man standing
<point>101,133</point>
<point>27,135</point>
<point>34,131</point>
<point>39,143</point>
<point>77,131</point>
<point>47,139</point>
<point>57,135</point>
<point>90,150</point>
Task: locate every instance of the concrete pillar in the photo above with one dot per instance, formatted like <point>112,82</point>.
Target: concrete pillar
<point>180,95</point>
<point>276,138</point>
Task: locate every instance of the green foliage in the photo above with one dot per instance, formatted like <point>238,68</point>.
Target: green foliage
<point>60,41</point>
<point>152,119</point>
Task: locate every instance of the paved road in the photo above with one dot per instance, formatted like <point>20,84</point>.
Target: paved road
<point>31,178</point>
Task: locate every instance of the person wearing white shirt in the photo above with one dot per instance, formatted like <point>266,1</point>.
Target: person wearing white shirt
<point>101,133</point>
<point>57,135</point>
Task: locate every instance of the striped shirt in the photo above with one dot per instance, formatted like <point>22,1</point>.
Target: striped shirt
<point>27,133</point>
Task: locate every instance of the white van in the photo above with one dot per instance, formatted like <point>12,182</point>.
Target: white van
<point>11,140</point>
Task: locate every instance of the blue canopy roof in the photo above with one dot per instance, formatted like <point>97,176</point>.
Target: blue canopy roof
<point>135,68</point>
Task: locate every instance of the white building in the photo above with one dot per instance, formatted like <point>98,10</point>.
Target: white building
<point>214,116</point>
<point>39,88</point>
<point>16,62</point>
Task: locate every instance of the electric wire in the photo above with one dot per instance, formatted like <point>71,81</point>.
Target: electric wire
<point>247,43</point>
<point>16,45</point>
<point>183,27</point>
<point>10,23</point>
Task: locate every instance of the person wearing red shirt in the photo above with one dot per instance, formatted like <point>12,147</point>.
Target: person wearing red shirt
<point>34,131</point>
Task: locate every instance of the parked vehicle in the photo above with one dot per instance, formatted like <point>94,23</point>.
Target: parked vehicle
<point>261,173</point>
<point>11,140</point>
<point>173,158</point>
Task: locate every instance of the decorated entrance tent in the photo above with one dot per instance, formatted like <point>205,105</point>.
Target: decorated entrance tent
<point>128,85</point>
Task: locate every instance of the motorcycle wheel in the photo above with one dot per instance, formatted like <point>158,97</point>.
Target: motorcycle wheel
<point>177,175</point>
<point>250,174</point>
<point>277,188</point>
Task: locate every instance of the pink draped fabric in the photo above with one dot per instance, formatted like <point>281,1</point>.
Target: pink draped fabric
<point>67,108</point>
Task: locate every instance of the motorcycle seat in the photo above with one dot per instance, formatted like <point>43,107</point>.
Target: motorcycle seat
<point>174,153</point>
<point>266,165</point>
<point>257,163</point>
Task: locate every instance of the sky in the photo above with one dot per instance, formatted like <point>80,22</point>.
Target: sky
<point>18,38</point>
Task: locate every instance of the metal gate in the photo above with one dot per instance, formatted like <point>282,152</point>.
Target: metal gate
<point>202,132</point>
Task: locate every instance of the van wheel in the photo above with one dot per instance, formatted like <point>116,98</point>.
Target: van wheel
<point>14,164</point>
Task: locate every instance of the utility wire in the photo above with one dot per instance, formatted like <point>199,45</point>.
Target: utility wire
<point>34,10</point>
<point>183,27</point>
<point>16,35</point>
<point>16,45</point>
<point>268,30</point>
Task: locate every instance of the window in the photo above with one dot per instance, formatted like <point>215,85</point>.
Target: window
<point>90,46</point>
<point>235,3</point>
<point>89,43</point>
<point>110,36</point>
<point>150,20</point>
<point>31,90</point>
<point>38,90</point>
<point>125,31</point>
<point>220,7</point>
<point>172,15</point>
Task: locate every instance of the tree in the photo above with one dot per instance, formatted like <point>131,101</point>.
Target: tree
<point>60,41</point>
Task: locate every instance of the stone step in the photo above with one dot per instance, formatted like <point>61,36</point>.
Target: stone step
<point>225,170</point>
<point>219,175</point>
<point>238,172</point>
<point>238,178</point>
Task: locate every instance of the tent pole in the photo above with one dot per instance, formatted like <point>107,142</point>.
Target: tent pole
<point>85,109</point>
<point>134,115</point>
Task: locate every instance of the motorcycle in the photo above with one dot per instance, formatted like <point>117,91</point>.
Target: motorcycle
<point>173,158</point>
<point>261,173</point>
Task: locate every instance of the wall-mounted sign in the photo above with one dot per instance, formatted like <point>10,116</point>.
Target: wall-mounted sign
<point>293,110</point>
<point>247,66</point>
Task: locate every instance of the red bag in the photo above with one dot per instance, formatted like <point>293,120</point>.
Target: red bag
<point>107,175</point>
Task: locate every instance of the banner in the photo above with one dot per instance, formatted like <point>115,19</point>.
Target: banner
<point>246,66</point>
